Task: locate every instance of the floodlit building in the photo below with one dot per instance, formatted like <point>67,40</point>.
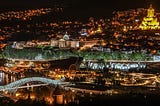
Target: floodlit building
<point>149,22</point>
<point>65,42</point>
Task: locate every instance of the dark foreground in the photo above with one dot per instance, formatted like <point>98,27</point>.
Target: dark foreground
<point>101,100</point>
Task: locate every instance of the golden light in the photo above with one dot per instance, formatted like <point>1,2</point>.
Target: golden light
<point>150,22</point>
<point>32,97</point>
<point>154,51</point>
<point>99,30</point>
<point>17,94</point>
<point>49,100</point>
<point>59,99</point>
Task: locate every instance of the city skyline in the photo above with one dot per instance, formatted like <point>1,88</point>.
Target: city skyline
<point>79,52</point>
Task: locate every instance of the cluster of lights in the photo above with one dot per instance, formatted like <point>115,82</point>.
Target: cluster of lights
<point>24,15</point>
<point>150,22</point>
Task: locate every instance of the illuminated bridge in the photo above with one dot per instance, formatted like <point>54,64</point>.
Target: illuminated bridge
<point>12,87</point>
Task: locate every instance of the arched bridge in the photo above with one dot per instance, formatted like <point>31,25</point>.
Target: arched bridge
<point>15,85</point>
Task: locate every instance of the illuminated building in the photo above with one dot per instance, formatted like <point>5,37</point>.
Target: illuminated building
<point>18,45</point>
<point>66,36</point>
<point>149,22</point>
<point>99,30</point>
<point>62,43</point>
<point>58,95</point>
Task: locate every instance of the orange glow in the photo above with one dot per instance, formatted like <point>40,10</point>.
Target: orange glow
<point>17,94</point>
<point>59,99</point>
<point>154,51</point>
<point>49,100</point>
<point>32,97</point>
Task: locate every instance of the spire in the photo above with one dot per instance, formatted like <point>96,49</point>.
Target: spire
<point>150,6</point>
<point>150,12</point>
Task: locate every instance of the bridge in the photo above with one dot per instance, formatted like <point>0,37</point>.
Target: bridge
<point>12,87</point>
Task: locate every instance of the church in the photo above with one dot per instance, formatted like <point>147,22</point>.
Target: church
<point>150,21</point>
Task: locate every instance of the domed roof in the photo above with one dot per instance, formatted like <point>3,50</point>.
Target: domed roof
<point>66,36</point>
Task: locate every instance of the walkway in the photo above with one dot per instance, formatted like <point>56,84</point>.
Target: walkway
<point>15,85</point>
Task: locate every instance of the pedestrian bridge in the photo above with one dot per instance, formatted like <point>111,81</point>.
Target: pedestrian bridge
<point>15,85</point>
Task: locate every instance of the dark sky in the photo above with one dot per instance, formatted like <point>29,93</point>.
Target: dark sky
<point>105,7</point>
<point>25,3</point>
<point>79,3</point>
<point>86,6</point>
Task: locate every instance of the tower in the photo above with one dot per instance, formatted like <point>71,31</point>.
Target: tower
<point>150,12</point>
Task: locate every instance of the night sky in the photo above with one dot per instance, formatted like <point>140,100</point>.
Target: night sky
<point>106,7</point>
<point>79,3</point>
<point>83,7</point>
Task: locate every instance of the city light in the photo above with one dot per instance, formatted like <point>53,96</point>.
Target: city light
<point>150,22</point>
<point>78,53</point>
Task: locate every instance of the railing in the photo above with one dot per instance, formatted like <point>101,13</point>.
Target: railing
<point>15,85</point>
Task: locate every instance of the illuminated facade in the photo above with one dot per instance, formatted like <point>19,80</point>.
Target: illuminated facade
<point>99,30</point>
<point>65,43</point>
<point>149,22</point>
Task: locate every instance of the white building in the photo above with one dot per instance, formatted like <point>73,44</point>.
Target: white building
<point>65,43</point>
<point>156,58</point>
